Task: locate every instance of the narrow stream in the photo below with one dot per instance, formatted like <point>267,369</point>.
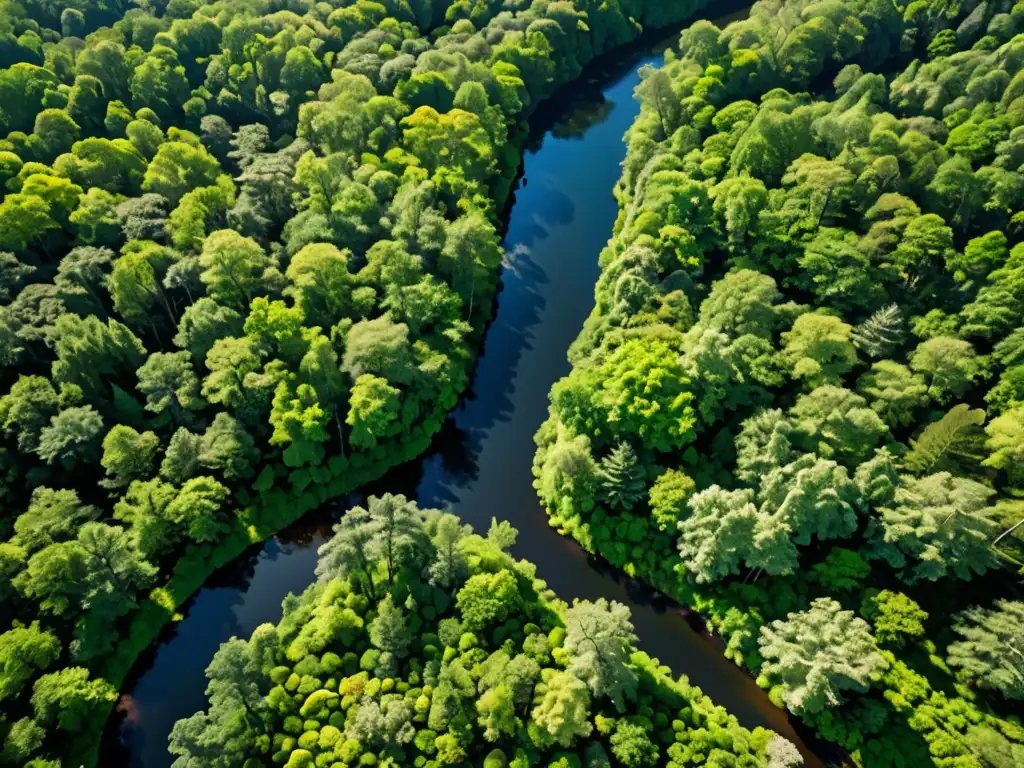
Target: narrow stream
<point>480,464</point>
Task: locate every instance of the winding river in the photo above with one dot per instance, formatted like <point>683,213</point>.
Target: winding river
<point>480,464</point>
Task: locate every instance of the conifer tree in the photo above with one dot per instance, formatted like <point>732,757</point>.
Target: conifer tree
<point>621,478</point>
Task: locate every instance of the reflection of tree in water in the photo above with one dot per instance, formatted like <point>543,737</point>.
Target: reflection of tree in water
<point>581,118</point>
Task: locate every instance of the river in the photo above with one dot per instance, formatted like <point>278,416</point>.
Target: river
<point>480,464</point>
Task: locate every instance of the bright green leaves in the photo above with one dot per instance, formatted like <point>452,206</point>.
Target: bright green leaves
<point>374,406</point>
<point>817,654</point>
<point>640,389</point>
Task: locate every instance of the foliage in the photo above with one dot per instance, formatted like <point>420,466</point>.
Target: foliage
<point>350,675</point>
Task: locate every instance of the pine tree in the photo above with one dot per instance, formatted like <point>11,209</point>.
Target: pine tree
<point>881,333</point>
<point>621,478</point>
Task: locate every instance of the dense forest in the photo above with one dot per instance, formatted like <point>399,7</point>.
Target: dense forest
<point>247,250</point>
<point>798,405</point>
<point>423,643</point>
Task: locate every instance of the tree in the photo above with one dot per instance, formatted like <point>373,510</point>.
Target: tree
<point>992,651</point>
<point>1005,445</point>
<point>599,640</point>
<point>181,459</point>
<point>935,526</point>
<point>233,268</point>
<point>782,753</point>
<point>24,651</point>
<point>488,598</point>
<point>896,618</point>
<point>496,711</point>
<point>27,409</point>
<point>895,392</point>
<point>450,564</point>
<point>380,347</point>
<point>811,497</point>
<point>321,283</point>
<point>632,746</point>
<point>128,455</point>
<point>178,168</point>
<point>91,354</point>
<point>561,708</point>
<point>70,700</point>
<point>374,405</point>
<point>718,534</point>
<point>196,509</point>
<point>815,655</point>
<point>668,498</point>
<point>640,389</point>
<point>950,366</point>
<point>226,447</point>
<point>72,437</point>
<point>835,423</point>
<point>170,384</point>
<point>743,302</point>
<point>621,480</point>
<point>52,515</point>
<point>347,554</point>
<point>12,274</point>
<point>819,349</point>
<point>84,270</point>
<point>764,443</point>
<point>202,324</point>
<point>300,423</point>
<point>881,333</point>
<point>230,361</point>
<point>389,630</point>
<point>952,443</point>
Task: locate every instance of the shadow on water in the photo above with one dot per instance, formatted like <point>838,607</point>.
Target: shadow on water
<point>480,463</point>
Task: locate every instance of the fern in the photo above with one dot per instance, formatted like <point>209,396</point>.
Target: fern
<point>953,443</point>
<point>881,333</point>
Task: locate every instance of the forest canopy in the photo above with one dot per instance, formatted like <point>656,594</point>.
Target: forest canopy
<point>247,251</point>
<point>797,406</point>
<point>423,643</point>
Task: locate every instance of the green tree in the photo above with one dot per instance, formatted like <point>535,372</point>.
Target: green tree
<point>1005,446</point>
<point>178,168</point>
<point>718,534</point>
<point>374,405</point>
<point>561,708</point>
<point>389,630</point>
<point>817,654</point>
<point>935,526</point>
<point>836,423</point>
<point>488,598</point>
<point>897,619</point>
<point>170,384</point>
<point>233,268</point>
<point>950,366</point>
<point>819,349</point>
<point>992,651</point>
<point>620,476</point>
<point>894,391</point>
<point>599,639</point>
<point>632,746</point>
<point>952,443</point>
<point>70,700</point>
<point>128,455</point>
<point>24,651</point>
<point>450,564</point>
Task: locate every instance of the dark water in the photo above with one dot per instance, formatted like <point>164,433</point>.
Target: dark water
<point>480,465</point>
